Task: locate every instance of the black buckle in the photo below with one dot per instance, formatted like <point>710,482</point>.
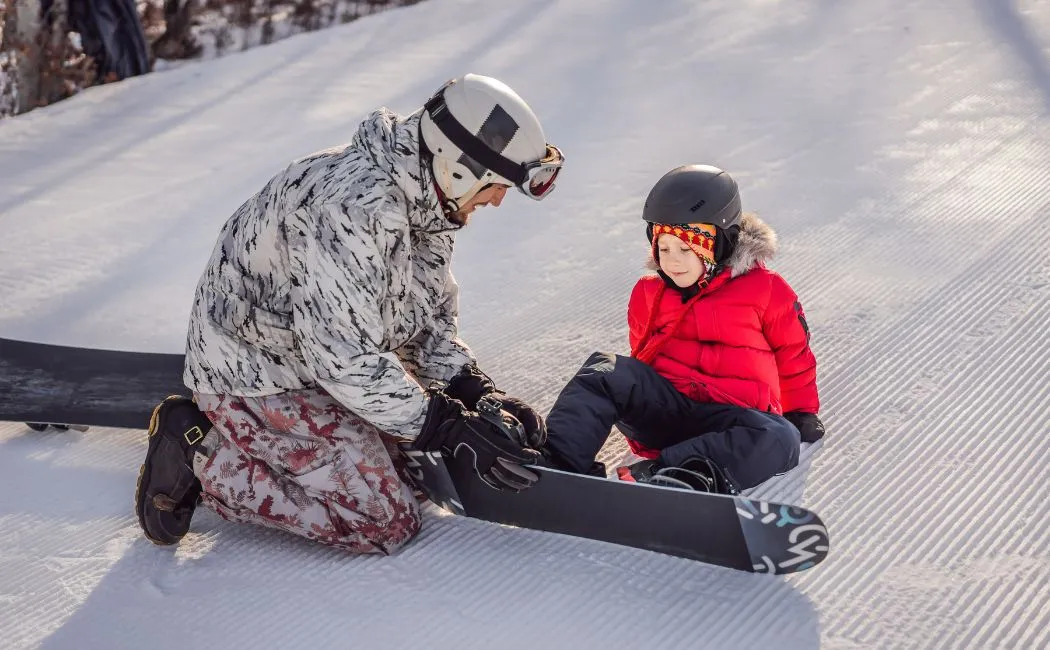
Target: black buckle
<point>491,410</point>
<point>437,107</point>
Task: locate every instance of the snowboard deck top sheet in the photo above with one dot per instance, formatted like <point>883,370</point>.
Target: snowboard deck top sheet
<point>82,386</point>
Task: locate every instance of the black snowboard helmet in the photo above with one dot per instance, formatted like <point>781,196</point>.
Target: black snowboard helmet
<point>696,194</point>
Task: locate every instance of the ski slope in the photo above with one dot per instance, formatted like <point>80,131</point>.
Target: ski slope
<point>902,152</point>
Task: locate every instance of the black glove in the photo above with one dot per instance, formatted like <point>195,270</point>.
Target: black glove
<point>808,424</point>
<point>494,438</point>
<point>469,386</point>
<point>531,421</point>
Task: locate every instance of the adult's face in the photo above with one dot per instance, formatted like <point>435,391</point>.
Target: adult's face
<point>492,194</point>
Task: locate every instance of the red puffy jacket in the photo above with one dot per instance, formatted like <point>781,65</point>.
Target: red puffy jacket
<point>742,340</point>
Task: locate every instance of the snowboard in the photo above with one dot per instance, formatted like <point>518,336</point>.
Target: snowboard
<point>56,384</point>
<point>730,531</point>
<point>79,386</point>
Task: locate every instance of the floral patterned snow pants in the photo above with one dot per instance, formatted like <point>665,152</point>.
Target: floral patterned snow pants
<point>301,462</point>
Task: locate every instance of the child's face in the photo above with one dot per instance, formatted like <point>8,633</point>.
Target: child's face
<point>679,261</point>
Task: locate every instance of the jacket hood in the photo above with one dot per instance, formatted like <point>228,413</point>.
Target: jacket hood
<point>391,142</point>
<point>756,244</point>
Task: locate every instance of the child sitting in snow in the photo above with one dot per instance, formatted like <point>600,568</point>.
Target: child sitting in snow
<point>721,382</point>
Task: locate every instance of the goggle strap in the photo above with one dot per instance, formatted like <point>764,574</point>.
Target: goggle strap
<point>469,144</point>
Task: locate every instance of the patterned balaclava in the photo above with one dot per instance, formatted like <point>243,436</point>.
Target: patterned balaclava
<point>700,237</point>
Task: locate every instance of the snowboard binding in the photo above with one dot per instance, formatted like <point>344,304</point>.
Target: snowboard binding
<point>43,426</point>
<point>491,410</point>
<point>697,473</point>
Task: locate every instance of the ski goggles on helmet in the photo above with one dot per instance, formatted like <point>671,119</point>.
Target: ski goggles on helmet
<point>541,175</point>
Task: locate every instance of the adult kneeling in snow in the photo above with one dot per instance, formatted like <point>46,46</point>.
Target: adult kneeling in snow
<point>324,331</point>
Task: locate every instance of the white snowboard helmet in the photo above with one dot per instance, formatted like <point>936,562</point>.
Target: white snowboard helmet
<point>479,132</point>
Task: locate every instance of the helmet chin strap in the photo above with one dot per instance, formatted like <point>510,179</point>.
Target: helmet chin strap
<point>449,205</point>
<point>426,159</point>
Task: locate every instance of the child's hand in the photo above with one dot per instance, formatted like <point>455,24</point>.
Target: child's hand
<point>808,424</point>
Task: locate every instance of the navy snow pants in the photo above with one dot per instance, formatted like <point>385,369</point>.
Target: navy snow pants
<point>750,445</point>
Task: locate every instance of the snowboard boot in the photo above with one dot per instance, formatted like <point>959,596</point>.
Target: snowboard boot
<point>596,469</point>
<point>695,473</point>
<point>168,492</point>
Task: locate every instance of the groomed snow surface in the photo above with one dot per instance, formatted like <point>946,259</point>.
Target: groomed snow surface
<point>902,152</point>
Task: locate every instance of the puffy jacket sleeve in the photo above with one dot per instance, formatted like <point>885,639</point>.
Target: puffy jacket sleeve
<point>338,275</point>
<point>437,353</point>
<point>637,314</point>
<point>784,325</point>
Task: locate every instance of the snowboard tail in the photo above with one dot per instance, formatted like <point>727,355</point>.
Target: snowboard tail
<point>81,386</point>
<point>78,386</point>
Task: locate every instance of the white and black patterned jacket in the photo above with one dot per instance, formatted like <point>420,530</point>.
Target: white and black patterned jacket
<point>335,274</point>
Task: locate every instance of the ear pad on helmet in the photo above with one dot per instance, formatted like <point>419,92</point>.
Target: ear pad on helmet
<point>725,242</point>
